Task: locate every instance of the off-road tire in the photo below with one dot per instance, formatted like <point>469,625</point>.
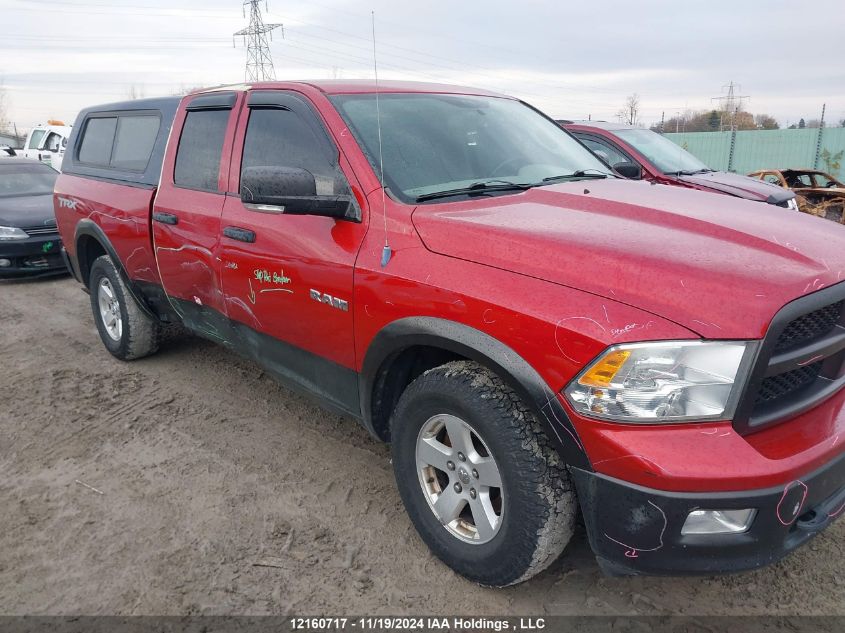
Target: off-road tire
<point>141,333</point>
<point>540,505</point>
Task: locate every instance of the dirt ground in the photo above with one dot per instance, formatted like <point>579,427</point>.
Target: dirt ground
<point>190,483</point>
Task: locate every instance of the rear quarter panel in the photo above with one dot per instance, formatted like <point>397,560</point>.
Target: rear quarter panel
<point>121,211</point>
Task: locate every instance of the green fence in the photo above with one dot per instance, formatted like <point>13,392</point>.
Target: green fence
<point>766,149</point>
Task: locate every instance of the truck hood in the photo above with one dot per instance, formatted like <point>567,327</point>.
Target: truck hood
<point>740,186</point>
<point>21,211</point>
<point>717,265</point>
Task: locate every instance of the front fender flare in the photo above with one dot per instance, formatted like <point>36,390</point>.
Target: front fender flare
<point>485,350</point>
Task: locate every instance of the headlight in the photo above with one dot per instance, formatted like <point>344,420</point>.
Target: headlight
<point>12,233</point>
<point>662,382</point>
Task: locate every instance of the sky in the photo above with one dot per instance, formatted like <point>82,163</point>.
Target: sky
<point>571,59</point>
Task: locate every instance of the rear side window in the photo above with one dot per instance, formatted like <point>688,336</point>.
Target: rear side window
<point>97,141</point>
<point>134,141</point>
<point>200,148</point>
<point>124,141</point>
<point>603,150</point>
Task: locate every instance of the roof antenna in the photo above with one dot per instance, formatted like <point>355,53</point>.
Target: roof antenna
<point>386,252</point>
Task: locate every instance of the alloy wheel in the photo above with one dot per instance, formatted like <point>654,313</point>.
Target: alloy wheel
<point>460,479</point>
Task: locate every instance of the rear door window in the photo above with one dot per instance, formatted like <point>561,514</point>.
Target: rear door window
<point>200,149</point>
<point>97,141</point>
<point>134,141</point>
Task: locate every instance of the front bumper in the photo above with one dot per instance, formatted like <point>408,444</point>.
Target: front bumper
<point>32,257</point>
<point>636,530</point>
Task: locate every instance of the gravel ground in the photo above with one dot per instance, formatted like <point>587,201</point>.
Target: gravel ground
<point>191,483</point>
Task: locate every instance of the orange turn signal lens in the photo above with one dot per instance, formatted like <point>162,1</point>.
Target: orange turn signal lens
<point>602,373</point>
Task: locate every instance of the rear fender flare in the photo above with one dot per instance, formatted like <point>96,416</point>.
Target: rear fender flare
<point>89,228</point>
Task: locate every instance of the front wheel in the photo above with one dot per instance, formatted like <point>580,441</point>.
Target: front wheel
<point>477,475</point>
<point>126,331</point>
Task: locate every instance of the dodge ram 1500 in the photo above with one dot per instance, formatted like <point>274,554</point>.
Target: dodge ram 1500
<point>534,336</point>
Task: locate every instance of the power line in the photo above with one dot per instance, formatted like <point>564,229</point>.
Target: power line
<point>450,64</point>
<point>347,47</point>
<point>463,65</point>
<point>259,61</point>
<point>139,11</point>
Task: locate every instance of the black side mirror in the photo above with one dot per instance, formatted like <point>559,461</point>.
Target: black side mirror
<point>631,171</point>
<point>292,191</point>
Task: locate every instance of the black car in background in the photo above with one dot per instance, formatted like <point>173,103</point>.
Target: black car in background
<point>29,240</point>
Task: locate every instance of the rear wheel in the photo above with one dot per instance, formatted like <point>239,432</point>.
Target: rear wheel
<point>126,331</point>
<point>476,473</point>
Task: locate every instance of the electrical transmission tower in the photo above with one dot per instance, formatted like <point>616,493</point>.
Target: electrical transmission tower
<point>731,105</point>
<point>259,62</point>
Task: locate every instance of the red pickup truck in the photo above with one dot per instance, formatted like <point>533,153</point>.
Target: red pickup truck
<point>534,336</point>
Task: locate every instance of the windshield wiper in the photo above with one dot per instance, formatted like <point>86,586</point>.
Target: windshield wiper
<point>688,172</point>
<point>581,173</point>
<point>476,188</point>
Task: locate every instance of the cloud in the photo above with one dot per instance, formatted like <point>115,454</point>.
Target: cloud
<point>570,59</point>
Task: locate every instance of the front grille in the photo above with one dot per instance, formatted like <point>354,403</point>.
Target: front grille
<point>810,327</point>
<point>801,361</point>
<point>786,384</point>
<point>41,230</point>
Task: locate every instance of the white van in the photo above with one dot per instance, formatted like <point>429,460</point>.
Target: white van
<point>47,143</point>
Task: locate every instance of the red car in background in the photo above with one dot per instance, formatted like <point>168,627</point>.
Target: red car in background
<point>638,153</point>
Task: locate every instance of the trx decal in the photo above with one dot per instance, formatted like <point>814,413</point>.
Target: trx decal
<point>67,203</point>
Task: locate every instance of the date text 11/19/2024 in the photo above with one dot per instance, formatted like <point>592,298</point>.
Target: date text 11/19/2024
<point>417,624</point>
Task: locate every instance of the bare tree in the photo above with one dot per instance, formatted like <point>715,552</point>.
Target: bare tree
<point>183,90</point>
<point>630,114</point>
<point>136,92</point>
<point>765,122</point>
<point>4,118</point>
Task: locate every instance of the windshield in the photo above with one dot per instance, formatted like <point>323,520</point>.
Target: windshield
<point>435,143</point>
<point>26,180</point>
<point>667,156</point>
